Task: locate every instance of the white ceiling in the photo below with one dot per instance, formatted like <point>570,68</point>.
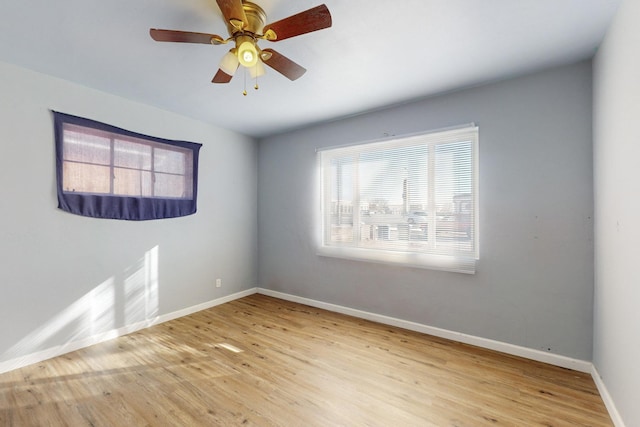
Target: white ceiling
<point>377,52</point>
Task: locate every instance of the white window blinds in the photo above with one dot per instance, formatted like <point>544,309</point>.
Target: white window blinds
<point>410,200</point>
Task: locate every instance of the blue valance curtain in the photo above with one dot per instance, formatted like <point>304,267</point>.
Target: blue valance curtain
<point>107,172</point>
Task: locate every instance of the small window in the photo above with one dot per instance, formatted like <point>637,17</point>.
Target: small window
<point>107,172</point>
<point>411,200</point>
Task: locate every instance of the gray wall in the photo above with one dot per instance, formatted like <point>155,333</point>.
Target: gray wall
<point>64,278</point>
<point>617,191</point>
<point>534,280</point>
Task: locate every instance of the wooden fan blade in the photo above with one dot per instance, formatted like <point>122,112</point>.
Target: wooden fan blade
<point>233,12</point>
<point>184,37</point>
<point>221,77</point>
<point>310,20</point>
<point>284,65</point>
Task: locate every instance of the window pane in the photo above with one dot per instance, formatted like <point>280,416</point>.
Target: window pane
<point>172,186</point>
<point>132,182</point>
<point>84,178</point>
<point>132,155</point>
<point>86,148</point>
<point>394,181</point>
<point>341,216</point>
<point>454,184</point>
<point>169,161</point>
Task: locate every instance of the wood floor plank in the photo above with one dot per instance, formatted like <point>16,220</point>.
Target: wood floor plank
<point>266,362</point>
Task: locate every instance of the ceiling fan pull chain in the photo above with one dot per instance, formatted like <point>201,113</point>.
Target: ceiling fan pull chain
<point>244,92</point>
<point>256,86</point>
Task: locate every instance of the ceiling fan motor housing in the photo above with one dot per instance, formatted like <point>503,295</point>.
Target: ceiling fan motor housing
<point>256,18</point>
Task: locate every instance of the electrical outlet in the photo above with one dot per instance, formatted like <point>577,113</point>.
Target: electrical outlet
<point>218,283</point>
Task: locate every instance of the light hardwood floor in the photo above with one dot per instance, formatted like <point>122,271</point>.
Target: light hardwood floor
<point>298,366</point>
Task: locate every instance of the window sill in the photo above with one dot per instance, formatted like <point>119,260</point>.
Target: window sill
<point>406,259</point>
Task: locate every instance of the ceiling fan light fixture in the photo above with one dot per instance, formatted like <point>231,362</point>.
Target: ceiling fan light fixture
<point>247,52</point>
<point>229,63</point>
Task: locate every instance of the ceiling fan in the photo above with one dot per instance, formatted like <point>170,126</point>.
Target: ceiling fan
<point>246,25</point>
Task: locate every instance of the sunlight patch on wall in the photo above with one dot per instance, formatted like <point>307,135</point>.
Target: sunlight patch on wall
<point>88,315</point>
<point>141,288</point>
<point>94,317</point>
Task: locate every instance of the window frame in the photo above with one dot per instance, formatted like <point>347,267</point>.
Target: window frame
<point>461,262</point>
<point>113,205</point>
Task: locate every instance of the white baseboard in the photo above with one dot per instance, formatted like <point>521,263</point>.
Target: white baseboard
<point>541,356</point>
<point>49,353</point>
<point>606,397</point>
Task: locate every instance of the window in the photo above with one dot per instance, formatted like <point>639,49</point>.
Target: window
<point>107,172</point>
<point>410,200</point>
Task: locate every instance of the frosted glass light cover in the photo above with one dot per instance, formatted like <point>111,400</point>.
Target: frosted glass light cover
<point>229,63</point>
<point>247,54</point>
